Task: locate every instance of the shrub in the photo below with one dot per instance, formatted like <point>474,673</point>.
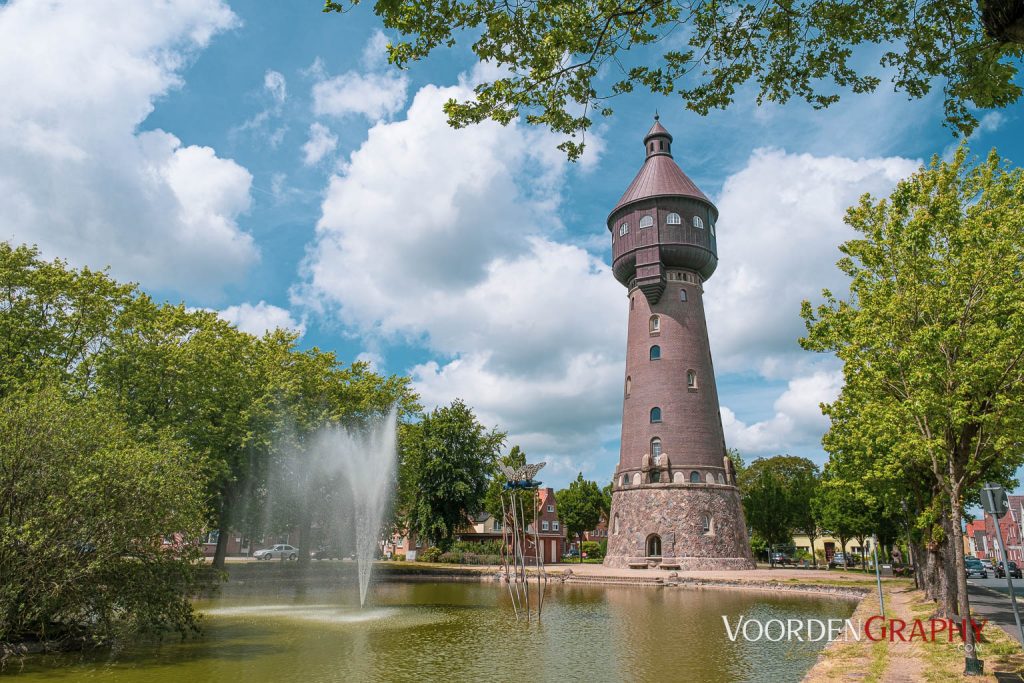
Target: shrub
<point>399,557</point>
<point>450,557</point>
<point>429,555</point>
<point>594,550</point>
<point>96,525</point>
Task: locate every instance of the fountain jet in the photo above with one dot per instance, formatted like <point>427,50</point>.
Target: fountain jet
<point>366,460</point>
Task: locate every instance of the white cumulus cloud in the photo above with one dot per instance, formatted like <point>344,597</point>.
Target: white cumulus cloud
<point>375,96</point>
<point>260,318</point>
<point>778,241</point>
<point>321,142</point>
<point>79,179</point>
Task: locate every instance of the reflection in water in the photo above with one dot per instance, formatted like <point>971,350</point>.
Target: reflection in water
<point>464,632</point>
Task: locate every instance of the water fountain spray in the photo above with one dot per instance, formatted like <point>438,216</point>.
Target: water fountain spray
<point>366,460</point>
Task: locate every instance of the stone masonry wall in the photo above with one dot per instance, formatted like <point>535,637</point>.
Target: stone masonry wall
<point>675,513</point>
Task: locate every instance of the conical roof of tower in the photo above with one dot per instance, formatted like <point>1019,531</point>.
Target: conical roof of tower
<point>659,176</point>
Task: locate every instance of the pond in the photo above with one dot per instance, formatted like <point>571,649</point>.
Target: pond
<point>462,631</point>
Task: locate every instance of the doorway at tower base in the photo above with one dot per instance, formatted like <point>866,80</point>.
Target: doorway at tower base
<point>692,526</point>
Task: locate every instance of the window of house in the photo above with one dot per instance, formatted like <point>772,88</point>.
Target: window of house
<point>655,324</point>
<point>691,379</point>
<point>551,508</point>
<point>554,526</point>
<point>623,229</point>
<point>698,223</point>
<point>695,477</point>
<point>655,414</point>
<point>646,222</point>
<point>673,219</point>
<point>682,294</point>
<point>497,524</point>
<point>629,385</point>
<point>655,352</point>
<point>544,525</point>
<point>655,448</point>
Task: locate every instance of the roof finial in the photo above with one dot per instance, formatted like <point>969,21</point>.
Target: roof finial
<point>656,117</point>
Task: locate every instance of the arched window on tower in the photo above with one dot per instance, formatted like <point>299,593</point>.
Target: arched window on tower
<point>646,222</point>
<point>655,324</point>
<point>673,219</point>
<point>711,226</point>
<point>695,477</point>
<point>655,352</point>
<point>698,223</point>
<point>655,415</point>
<point>655,449</point>
<point>705,522</point>
<point>632,302</point>
<point>682,294</point>
<point>655,476</point>
<point>629,385</point>
<point>691,379</point>
<point>623,229</point>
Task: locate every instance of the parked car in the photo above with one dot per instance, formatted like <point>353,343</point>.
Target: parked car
<point>1015,571</point>
<point>975,570</point>
<point>279,551</point>
<point>327,552</point>
<point>841,560</point>
<point>781,558</point>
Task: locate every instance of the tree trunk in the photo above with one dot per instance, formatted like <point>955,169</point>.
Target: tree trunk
<point>814,555</point>
<point>223,527</point>
<point>963,602</point>
<point>305,537</point>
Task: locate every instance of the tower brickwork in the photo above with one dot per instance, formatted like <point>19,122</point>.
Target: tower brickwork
<point>674,499</point>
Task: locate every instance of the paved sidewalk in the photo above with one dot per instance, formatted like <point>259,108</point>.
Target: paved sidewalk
<point>753,575</point>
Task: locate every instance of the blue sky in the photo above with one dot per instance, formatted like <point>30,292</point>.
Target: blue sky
<point>263,160</point>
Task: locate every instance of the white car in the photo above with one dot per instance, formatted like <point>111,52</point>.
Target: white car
<point>989,567</point>
<point>281,550</point>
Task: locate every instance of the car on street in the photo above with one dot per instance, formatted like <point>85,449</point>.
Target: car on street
<point>327,552</point>
<point>841,560</point>
<point>781,558</point>
<point>989,567</point>
<point>277,552</point>
<point>1015,571</point>
<point>975,569</point>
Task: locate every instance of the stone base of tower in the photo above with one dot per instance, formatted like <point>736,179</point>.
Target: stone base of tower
<point>664,524</point>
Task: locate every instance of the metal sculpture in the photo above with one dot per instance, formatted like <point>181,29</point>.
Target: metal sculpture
<point>516,539</point>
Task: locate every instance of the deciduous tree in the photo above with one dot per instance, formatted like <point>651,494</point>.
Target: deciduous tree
<point>930,332</point>
<point>558,62</point>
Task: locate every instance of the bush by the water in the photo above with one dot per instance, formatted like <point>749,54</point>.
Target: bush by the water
<point>92,523</point>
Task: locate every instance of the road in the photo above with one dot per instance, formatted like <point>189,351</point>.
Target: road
<point>991,599</point>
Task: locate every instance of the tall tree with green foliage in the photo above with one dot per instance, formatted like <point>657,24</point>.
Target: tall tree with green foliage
<point>767,503</point>
<point>447,458</point>
<point>99,524</point>
<point>558,62</point>
<point>53,318</point>
<point>580,508</point>
<point>930,332</point>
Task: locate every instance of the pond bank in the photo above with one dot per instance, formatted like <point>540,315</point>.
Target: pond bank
<point>819,582</point>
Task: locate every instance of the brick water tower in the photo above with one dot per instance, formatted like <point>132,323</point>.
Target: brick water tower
<point>674,499</point>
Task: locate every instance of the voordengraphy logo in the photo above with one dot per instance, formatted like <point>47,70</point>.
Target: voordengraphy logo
<point>874,629</point>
